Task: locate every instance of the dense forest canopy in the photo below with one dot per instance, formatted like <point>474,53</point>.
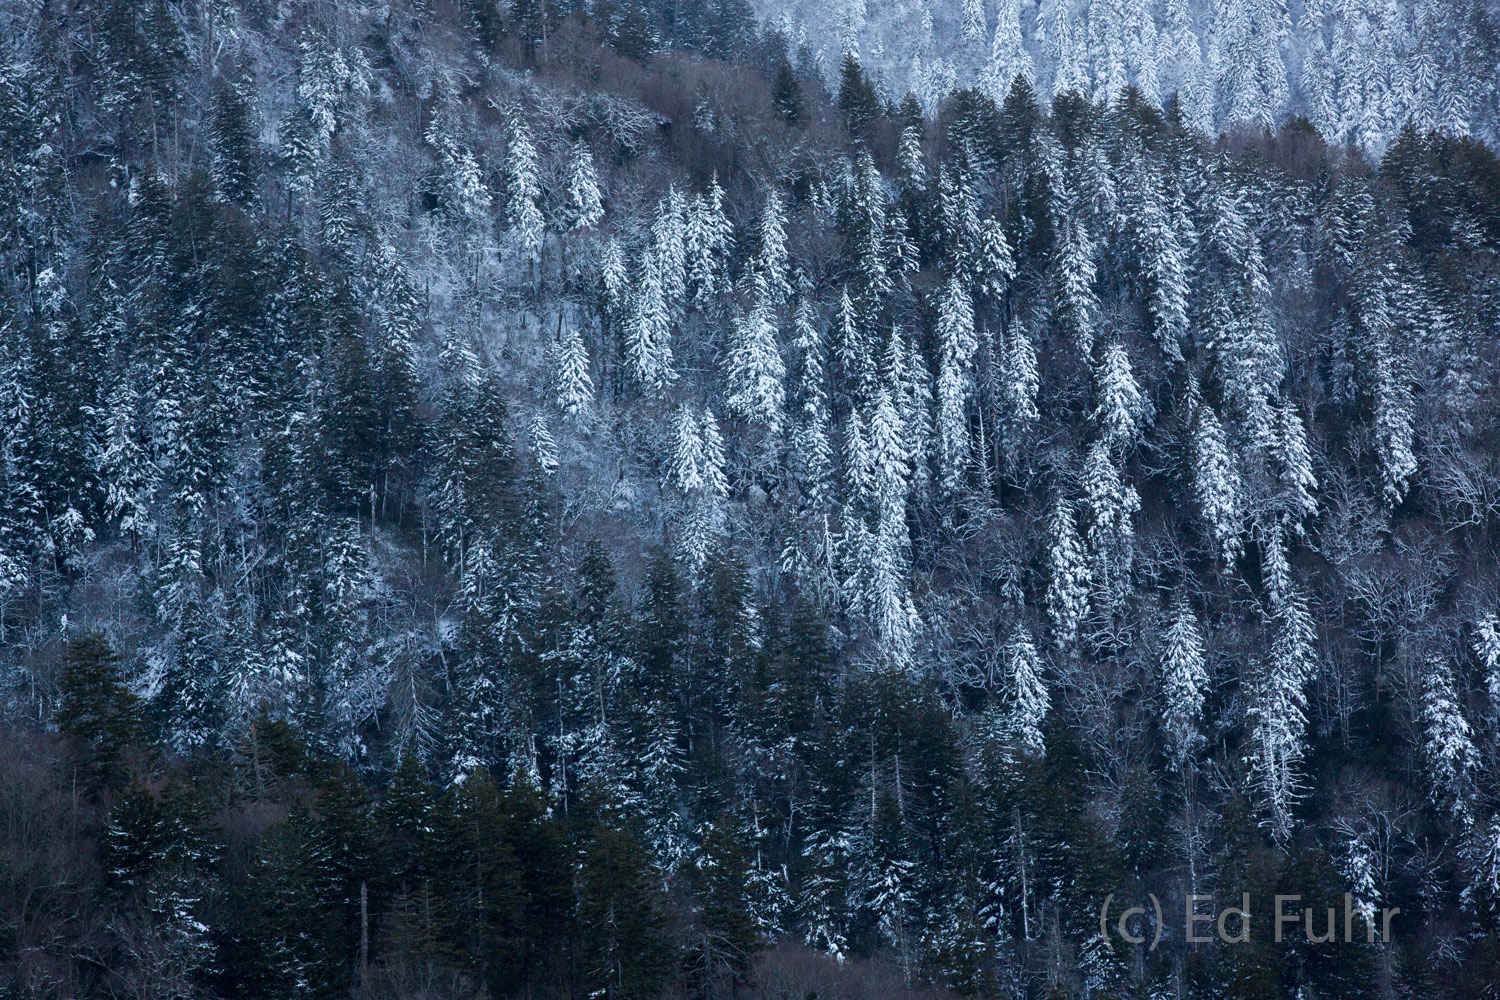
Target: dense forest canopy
<point>636,499</point>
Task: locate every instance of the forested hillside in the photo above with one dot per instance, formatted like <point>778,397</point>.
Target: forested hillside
<point>587,500</point>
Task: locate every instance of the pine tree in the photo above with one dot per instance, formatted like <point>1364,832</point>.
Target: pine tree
<point>543,447</point>
<point>1217,486</point>
<point>957,344</point>
<point>1447,743</point>
<point>1077,304</point>
<point>1276,715</point>
<point>575,384</point>
<point>811,449</point>
<point>1121,410</point>
<point>1160,220</point>
<point>95,709</point>
<point>687,452</point>
<point>1319,89</point>
<point>880,548</point>
<point>726,939</point>
<point>1106,47</point>
<point>614,281</point>
<point>1025,694</point>
<point>710,239</point>
<point>395,366</point>
<point>669,245</point>
<point>1009,57</point>
<point>122,466</point>
<point>768,268</point>
<point>585,203</point>
<point>1184,682</point>
<point>1068,577</point>
<point>997,263</point>
<point>786,95</point>
<point>648,332</point>
<point>857,98</point>
<point>523,194</point>
<point>1487,649</point>
<point>1020,384</point>
<point>697,471</point>
<point>755,375</point>
<point>1110,505</point>
<point>456,184</point>
<point>1292,463</point>
<point>234,145</point>
<point>1392,430</point>
<point>626,954</point>
<point>973,21</point>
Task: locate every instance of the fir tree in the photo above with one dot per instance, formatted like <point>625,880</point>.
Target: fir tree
<point>1216,484</point>
<point>768,269</point>
<point>1487,648</point>
<point>786,95</point>
<point>1068,577</point>
<point>1447,743</point>
<point>1276,714</point>
<point>957,343</point>
<point>1020,384</point>
<point>585,203</point>
<point>755,375</point>
<point>1025,694</point>
<point>575,383</point>
<point>523,191</point>
<point>234,142</point>
<point>710,238</point>
<point>1184,683</point>
<point>1077,303</point>
<point>1110,506</point>
<point>648,348</point>
<point>95,709</point>
<point>1122,406</point>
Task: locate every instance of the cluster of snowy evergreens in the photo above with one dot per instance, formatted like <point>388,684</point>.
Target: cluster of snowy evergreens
<point>1358,69</point>
<point>549,499</point>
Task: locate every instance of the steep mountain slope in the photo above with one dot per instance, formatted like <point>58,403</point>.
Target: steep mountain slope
<point>475,471</point>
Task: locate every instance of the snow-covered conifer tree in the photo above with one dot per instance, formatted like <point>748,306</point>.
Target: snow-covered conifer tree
<point>1025,693</point>
<point>648,331</point>
<point>1019,383</point>
<point>1277,715</point>
<point>1292,463</point>
<point>585,203</point>
<point>1487,649</point>
<point>769,266</point>
<point>1447,740</point>
<point>1184,682</point>
<point>1009,57</point>
<point>957,344</point>
<point>1110,506</point>
<point>543,446</point>
<point>1217,485</point>
<point>755,375</point>
<point>710,238</point>
<point>523,193</point>
<point>697,470</point>
<point>575,384</point>
<point>122,468</point>
<point>973,22</point>
<point>1067,575</point>
<point>1074,274</point>
<point>687,452</point>
<point>1122,407</point>
<point>1392,430</point>
<point>811,450</point>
